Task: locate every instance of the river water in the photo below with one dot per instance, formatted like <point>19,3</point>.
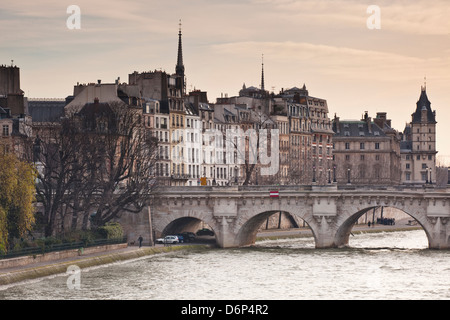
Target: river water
<point>393,265</point>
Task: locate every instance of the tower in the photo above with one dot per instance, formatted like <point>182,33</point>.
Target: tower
<point>423,140</point>
<point>179,68</point>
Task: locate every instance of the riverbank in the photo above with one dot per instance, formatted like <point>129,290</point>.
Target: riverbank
<point>44,269</point>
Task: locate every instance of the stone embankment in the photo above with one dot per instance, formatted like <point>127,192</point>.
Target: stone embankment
<point>9,275</point>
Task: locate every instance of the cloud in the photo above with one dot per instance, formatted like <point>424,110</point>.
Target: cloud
<point>343,62</point>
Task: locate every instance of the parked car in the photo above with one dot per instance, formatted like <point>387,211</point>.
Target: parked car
<point>188,236</point>
<point>168,239</point>
<point>205,232</point>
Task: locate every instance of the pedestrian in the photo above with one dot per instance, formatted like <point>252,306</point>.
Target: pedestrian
<point>140,239</point>
<point>369,224</point>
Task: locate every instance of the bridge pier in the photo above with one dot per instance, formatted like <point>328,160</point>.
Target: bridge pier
<point>439,237</point>
<point>325,231</point>
<point>225,237</point>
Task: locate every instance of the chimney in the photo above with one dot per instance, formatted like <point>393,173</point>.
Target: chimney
<point>368,121</point>
<point>336,122</point>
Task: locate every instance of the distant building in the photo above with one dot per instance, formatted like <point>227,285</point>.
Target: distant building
<point>11,96</point>
<point>15,122</point>
<point>366,152</point>
<point>418,146</point>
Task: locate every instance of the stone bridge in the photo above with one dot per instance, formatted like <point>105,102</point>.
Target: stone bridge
<point>235,213</point>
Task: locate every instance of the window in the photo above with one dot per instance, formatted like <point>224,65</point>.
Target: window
<point>347,157</point>
<point>430,157</point>
<point>5,130</point>
<point>408,176</point>
<point>424,166</point>
<point>407,166</point>
<point>362,157</point>
<point>347,146</point>
<point>377,145</point>
<point>377,157</point>
<point>361,145</point>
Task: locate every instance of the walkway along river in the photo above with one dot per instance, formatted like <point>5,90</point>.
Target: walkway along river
<point>387,265</point>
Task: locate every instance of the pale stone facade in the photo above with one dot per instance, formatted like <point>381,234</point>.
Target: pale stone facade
<point>418,146</point>
<point>366,152</point>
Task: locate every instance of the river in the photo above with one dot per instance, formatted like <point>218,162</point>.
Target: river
<point>391,265</point>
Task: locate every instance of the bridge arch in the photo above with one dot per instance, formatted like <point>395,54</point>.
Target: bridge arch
<point>247,233</point>
<point>344,230</point>
<point>176,223</point>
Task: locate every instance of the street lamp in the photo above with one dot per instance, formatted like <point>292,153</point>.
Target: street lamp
<point>314,174</point>
<point>214,179</point>
<point>348,175</point>
<point>334,173</point>
<point>329,175</point>
<point>235,174</point>
<point>426,175</point>
<point>431,181</point>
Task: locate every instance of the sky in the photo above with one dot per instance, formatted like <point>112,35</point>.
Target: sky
<point>328,45</point>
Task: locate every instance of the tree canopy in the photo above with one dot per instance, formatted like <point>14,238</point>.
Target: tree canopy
<point>17,194</point>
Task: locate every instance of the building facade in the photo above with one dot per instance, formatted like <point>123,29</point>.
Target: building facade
<point>366,152</point>
<point>418,145</point>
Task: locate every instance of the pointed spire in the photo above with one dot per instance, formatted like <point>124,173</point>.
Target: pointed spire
<point>180,67</point>
<point>262,73</point>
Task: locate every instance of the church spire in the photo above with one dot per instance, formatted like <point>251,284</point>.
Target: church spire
<point>180,67</point>
<point>262,73</point>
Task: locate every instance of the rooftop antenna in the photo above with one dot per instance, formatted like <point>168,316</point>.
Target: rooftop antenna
<point>12,63</point>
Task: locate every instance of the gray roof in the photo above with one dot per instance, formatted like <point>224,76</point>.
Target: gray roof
<point>357,129</point>
<point>46,110</point>
<point>406,145</point>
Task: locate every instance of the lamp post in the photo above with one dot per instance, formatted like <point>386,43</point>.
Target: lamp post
<point>431,181</point>
<point>236,174</point>
<point>426,175</point>
<point>348,175</point>
<point>314,174</point>
<point>329,175</point>
<point>214,179</point>
<point>334,173</point>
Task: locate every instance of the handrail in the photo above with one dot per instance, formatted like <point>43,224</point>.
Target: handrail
<point>60,247</point>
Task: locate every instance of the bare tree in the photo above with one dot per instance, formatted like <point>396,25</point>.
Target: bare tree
<point>251,145</point>
<point>55,152</point>
<point>121,158</point>
<point>94,165</point>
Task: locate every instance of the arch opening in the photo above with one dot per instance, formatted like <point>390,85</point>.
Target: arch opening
<point>270,222</point>
<point>377,219</point>
<point>192,230</point>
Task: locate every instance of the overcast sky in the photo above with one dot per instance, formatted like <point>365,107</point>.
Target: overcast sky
<point>324,44</point>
